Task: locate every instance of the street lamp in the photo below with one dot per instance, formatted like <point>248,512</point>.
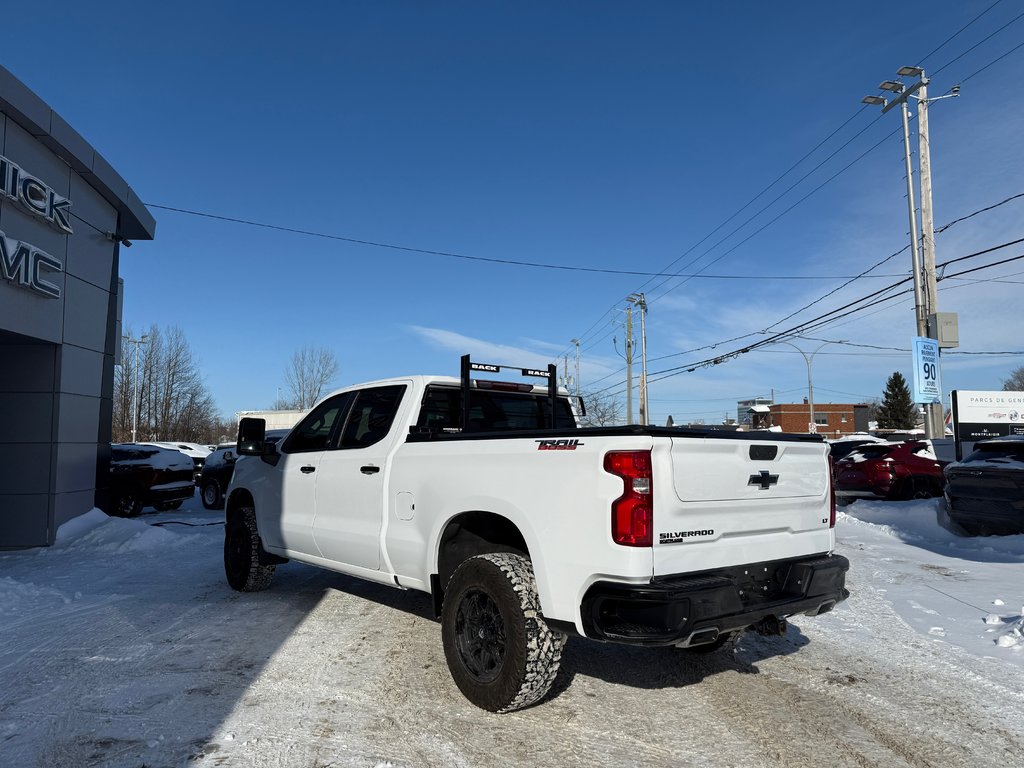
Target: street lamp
<point>812,425</point>
<point>135,381</point>
<point>915,258</point>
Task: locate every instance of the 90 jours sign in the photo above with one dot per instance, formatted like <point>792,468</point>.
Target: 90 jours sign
<point>927,388</point>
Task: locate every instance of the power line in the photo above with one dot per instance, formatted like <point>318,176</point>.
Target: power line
<point>939,47</point>
<point>983,40</point>
<point>824,319</point>
<point>955,34</point>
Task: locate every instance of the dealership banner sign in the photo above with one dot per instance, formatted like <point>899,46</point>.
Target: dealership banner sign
<point>981,414</point>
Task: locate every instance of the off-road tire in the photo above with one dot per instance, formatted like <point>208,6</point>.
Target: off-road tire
<point>211,490</point>
<point>242,553</point>
<point>500,651</point>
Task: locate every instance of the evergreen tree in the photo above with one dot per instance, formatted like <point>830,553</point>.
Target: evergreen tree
<point>1016,381</point>
<point>897,410</point>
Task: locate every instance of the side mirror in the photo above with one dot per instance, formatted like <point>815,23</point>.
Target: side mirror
<point>252,435</point>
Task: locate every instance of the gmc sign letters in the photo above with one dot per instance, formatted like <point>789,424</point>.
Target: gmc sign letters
<point>25,265</point>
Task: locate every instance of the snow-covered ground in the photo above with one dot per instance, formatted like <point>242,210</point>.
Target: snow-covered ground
<point>123,646</point>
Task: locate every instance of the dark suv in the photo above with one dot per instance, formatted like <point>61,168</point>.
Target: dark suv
<point>219,467</point>
<point>985,491</point>
<point>147,475</point>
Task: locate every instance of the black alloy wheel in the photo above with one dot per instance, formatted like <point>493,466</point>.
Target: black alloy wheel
<point>480,635</point>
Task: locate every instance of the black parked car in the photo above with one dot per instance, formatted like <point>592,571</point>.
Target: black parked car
<point>147,475</point>
<point>985,491</point>
<point>219,467</point>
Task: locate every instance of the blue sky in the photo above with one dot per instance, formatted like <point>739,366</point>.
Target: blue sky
<point>603,135</point>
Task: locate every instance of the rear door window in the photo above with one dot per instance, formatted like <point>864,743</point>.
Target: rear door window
<point>491,411</point>
<point>371,416</point>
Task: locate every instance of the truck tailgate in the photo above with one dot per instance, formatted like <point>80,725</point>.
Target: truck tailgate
<point>738,501</point>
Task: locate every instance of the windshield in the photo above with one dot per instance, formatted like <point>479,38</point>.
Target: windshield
<point>996,452</point>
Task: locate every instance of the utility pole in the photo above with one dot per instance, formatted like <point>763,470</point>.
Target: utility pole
<point>135,381</point>
<point>577,343</point>
<point>629,364</point>
<point>934,424</point>
<point>641,302</point>
<point>925,289</point>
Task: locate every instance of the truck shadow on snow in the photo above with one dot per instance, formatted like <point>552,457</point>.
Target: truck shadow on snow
<point>631,666</point>
<point>668,667</point>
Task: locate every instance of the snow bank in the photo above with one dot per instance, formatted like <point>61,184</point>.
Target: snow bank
<point>94,531</point>
<point>81,525</point>
<point>18,596</point>
<point>918,522</point>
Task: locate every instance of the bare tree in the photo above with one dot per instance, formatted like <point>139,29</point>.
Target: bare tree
<point>309,374</point>
<point>603,410</point>
<point>172,400</point>
<point>1016,381</point>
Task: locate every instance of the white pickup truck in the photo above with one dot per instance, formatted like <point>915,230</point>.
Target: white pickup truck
<point>524,527</point>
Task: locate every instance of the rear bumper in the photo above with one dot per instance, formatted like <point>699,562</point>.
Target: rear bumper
<point>696,608</point>
<point>168,493</point>
<point>1002,515</point>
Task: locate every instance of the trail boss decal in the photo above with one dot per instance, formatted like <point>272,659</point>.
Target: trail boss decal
<point>558,445</point>
<point>674,537</point>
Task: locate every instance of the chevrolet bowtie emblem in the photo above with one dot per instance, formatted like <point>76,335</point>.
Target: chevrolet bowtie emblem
<point>763,479</point>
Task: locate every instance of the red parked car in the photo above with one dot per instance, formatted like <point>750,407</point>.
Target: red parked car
<point>890,471</point>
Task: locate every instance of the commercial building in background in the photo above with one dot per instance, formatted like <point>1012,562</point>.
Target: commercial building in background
<point>274,419</point>
<point>831,419</point>
<point>743,409</point>
<point>64,214</point>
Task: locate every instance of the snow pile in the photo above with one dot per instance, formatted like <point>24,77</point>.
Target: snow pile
<point>1012,635</point>
<point>79,526</point>
<point>18,596</point>
<point>96,532</point>
<point>943,584</point>
<point>919,522</point>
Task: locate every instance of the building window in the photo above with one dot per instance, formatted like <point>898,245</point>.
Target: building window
<point>844,418</point>
<point>821,419</point>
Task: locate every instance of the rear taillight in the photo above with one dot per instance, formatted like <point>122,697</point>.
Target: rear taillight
<point>831,493</point>
<point>632,516</point>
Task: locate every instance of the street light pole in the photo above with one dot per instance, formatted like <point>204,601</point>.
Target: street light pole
<point>135,381</point>
<point>934,423</point>
<point>812,426</point>
<point>925,289</point>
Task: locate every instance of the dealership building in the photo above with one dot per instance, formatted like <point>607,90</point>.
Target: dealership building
<point>64,215</point>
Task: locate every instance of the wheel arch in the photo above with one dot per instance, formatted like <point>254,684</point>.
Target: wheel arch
<point>239,498</point>
<point>476,532</point>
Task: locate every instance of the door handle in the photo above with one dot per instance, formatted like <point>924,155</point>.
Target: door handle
<point>369,469</point>
<point>307,469</point>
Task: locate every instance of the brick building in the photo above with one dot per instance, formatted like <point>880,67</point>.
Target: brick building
<point>831,419</point>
